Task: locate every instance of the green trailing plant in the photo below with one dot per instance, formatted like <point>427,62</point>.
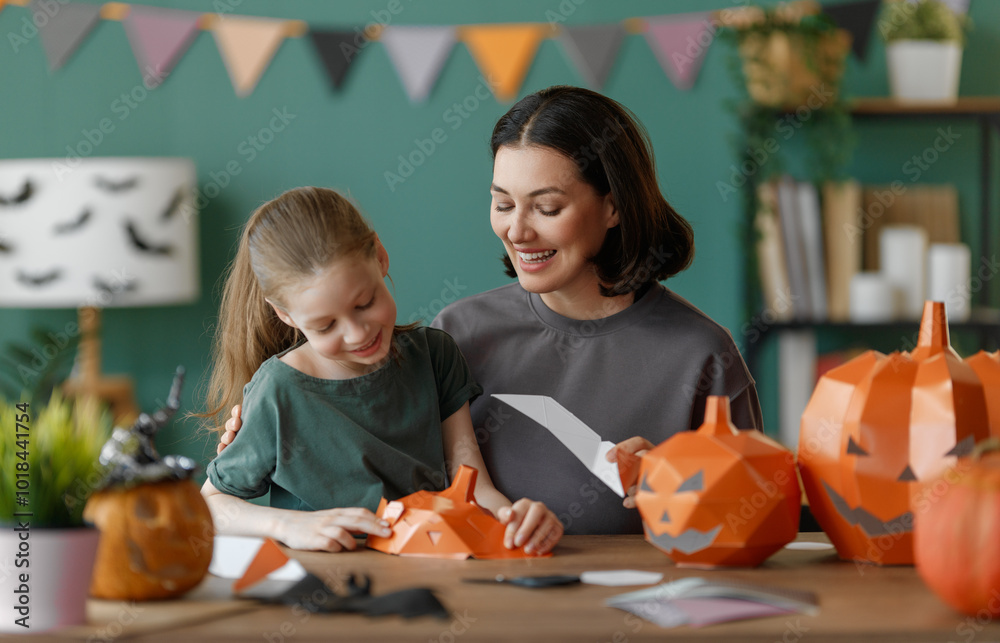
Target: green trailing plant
<point>57,445</point>
<point>35,368</point>
<point>923,20</point>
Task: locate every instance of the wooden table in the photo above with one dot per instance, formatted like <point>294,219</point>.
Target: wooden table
<point>857,603</point>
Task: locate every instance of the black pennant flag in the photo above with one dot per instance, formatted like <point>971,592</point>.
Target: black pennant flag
<point>856,18</point>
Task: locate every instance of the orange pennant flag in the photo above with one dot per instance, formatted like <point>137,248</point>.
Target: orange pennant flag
<point>268,559</point>
<point>504,53</point>
<point>247,46</point>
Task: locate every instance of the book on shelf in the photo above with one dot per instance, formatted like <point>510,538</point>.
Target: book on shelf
<point>794,246</point>
<point>771,265</point>
<point>843,233</point>
<point>811,229</point>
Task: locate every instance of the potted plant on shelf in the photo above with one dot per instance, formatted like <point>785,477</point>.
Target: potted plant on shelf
<point>924,42</point>
<point>48,466</point>
<point>790,53</point>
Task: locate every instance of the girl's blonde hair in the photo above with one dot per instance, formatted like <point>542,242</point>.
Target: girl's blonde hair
<point>293,237</point>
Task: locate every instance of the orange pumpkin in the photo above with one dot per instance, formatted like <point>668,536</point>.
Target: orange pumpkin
<point>718,496</point>
<point>447,524</point>
<point>877,425</point>
<point>156,540</point>
<point>956,520</point>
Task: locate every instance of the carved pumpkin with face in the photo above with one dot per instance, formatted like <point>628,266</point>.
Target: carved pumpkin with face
<point>156,540</point>
<point>876,426</point>
<point>718,496</point>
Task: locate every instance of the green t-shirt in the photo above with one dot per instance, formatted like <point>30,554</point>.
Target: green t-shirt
<point>318,443</point>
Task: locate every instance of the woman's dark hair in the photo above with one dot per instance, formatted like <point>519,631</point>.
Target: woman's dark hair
<point>612,152</point>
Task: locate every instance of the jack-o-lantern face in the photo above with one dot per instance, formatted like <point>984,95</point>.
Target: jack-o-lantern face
<point>876,426</point>
<point>718,496</point>
<point>156,540</point>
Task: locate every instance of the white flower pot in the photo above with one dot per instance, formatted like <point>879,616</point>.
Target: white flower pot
<point>51,589</point>
<point>924,69</point>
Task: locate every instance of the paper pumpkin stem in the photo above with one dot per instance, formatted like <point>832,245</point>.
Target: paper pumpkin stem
<point>717,417</point>
<point>934,336</point>
<point>463,486</point>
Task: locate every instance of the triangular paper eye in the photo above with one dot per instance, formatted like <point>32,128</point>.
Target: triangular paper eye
<point>694,483</point>
<point>747,500</point>
<point>963,447</point>
<point>853,448</point>
<point>907,475</point>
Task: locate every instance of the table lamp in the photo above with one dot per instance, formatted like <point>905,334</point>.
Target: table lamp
<point>93,233</point>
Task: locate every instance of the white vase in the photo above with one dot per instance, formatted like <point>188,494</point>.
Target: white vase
<point>924,70</point>
<point>50,590</point>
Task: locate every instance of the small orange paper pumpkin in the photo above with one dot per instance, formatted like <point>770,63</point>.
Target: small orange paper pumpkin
<point>718,496</point>
<point>156,540</point>
<point>448,524</point>
<point>955,526</point>
<point>875,426</point>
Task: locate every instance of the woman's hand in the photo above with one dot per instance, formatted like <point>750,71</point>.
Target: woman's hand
<point>328,529</point>
<point>532,524</point>
<point>637,446</point>
<point>233,425</point>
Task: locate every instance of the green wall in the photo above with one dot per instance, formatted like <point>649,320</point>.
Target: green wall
<point>435,224</point>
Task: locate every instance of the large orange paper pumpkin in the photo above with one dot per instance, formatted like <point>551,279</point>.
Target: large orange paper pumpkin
<point>156,540</point>
<point>718,496</point>
<point>448,524</point>
<point>877,425</point>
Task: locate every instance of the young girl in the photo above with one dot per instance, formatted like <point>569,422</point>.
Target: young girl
<point>343,406</point>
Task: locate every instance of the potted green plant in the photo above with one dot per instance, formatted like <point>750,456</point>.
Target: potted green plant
<point>48,466</point>
<point>924,42</point>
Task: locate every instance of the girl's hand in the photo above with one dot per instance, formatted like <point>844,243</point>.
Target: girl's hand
<point>532,524</point>
<point>637,446</point>
<point>328,529</point>
<point>233,425</point>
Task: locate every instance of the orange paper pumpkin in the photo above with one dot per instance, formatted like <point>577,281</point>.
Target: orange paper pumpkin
<point>987,369</point>
<point>877,425</point>
<point>156,540</point>
<point>718,496</point>
<point>448,524</point>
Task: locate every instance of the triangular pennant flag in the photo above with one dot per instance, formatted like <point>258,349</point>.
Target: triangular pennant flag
<point>593,49</point>
<point>159,37</point>
<point>504,53</point>
<point>63,30</point>
<point>269,558</point>
<point>857,18</point>
<point>247,46</point>
<point>419,54</point>
<point>338,51</point>
<point>680,43</point>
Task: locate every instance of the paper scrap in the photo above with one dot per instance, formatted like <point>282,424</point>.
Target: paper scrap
<point>620,577</point>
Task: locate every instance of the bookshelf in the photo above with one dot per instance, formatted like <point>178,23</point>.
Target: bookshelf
<point>797,340</point>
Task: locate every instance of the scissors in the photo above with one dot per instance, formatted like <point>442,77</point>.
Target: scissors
<point>528,581</point>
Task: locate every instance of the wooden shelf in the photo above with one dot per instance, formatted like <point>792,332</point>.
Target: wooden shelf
<point>969,105</point>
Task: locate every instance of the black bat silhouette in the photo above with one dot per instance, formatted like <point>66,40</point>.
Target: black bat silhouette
<point>25,194</point>
<point>119,186</point>
<point>36,281</point>
<point>76,224</point>
<point>142,245</point>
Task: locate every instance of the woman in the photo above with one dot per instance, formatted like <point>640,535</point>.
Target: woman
<point>589,236</point>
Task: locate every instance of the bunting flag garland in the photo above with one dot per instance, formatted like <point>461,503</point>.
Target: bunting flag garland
<point>63,29</point>
<point>159,37</point>
<point>247,46</point>
<point>593,49</point>
<point>857,19</point>
<point>419,54</point>
<point>338,51</point>
<point>504,53</point>
<point>680,43</point>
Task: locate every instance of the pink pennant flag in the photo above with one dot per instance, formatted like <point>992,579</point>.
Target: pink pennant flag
<point>247,46</point>
<point>680,43</point>
<point>159,37</point>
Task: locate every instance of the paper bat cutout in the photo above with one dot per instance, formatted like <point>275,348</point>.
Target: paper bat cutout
<point>21,197</point>
<point>580,439</point>
<point>120,186</point>
<point>76,224</point>
<point>144,246</point>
